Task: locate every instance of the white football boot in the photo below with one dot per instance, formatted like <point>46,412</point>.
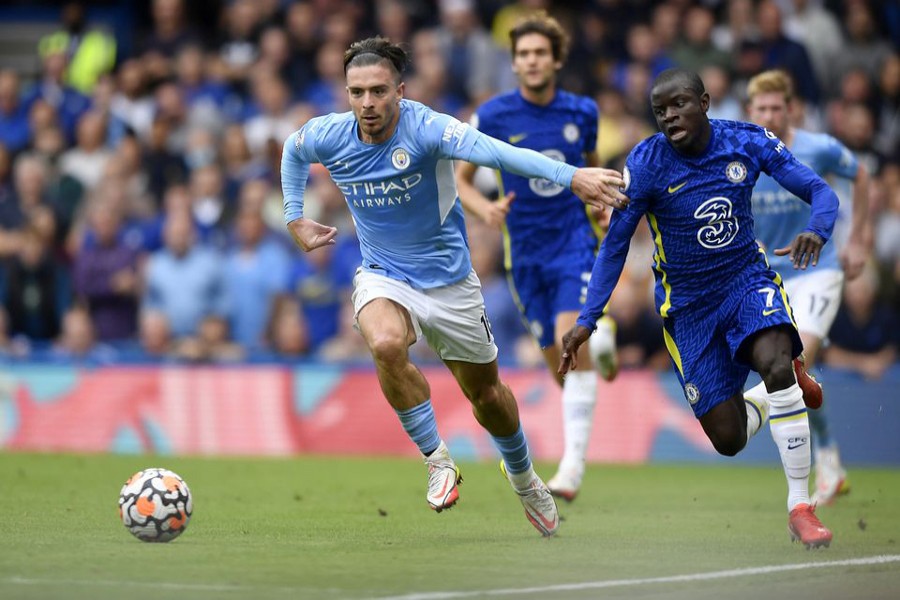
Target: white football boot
<point>831,478</point>
<point>540,507</point>
<point>443,479</point>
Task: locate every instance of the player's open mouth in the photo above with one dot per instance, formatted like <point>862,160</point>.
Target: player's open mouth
<point>677,133</point>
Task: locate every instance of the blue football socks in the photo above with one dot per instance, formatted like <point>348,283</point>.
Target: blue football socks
<point>514,450</point>
<point>421,426</point>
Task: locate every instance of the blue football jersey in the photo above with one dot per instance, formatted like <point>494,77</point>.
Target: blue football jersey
<point>699,212</point>
<point>402,192</point>
<point>779,214</point>
<point>546,221</point>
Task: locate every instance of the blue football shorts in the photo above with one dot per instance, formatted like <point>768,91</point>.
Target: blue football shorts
<point>546,290</point>
<point>705,342</point>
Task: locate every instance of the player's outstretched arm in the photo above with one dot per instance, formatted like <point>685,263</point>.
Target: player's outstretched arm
<point>310,235</point>
<point>572,340</point>
<point>859,245</point>
<point>595,186</point>
<point>599,187</point>
<point>492,213</point>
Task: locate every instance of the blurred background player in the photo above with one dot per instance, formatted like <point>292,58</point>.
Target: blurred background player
<point>725,311</point>
<point>550,236</point>
<point>815,295</point>
<point>391,158</point>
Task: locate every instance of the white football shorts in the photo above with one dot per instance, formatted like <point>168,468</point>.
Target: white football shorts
<point>451,317</point>
<point>815,297</point>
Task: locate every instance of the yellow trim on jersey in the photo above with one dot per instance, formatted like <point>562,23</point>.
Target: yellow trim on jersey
<point>659,258</point>
<point>673,351</point>
<point>507,248</point>
<point>595,226</point>
<point>507,242</point>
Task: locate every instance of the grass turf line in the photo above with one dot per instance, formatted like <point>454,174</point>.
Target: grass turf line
<point>354,528</point>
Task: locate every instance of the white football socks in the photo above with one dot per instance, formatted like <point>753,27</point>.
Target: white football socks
<point>757,400</point>
<point>790,430</point>
<point>579,397</point>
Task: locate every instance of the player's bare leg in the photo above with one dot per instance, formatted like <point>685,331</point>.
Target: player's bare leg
<point>388,330</point>
<point>726,426</point>
<point>495,409</point>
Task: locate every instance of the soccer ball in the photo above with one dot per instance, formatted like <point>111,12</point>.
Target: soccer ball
<point>155,505</point>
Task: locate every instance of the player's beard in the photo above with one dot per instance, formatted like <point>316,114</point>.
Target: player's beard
<point>373,128</point>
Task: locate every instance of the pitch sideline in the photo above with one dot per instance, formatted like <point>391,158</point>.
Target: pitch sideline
<point>452,595</point>
<point>596,585</point>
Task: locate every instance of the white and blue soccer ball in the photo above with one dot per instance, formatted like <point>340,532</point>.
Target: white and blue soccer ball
<point>155,505</point>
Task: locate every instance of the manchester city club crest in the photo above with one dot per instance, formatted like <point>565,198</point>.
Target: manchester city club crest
<point>691,393</point>
<point>400,158</point>
<point>736,172</point>
<point>571,132</point>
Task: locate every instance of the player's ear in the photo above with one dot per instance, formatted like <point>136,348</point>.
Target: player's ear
<point>704,101</point>
<point>400,89</point>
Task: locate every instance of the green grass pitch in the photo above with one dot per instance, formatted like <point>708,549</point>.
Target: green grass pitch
<point>316,527</point>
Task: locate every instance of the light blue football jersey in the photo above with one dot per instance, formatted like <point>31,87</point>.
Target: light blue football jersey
<point>779,215</point>
<point>402,192</point>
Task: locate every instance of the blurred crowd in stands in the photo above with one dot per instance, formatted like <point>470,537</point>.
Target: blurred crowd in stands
<point>140,205</point>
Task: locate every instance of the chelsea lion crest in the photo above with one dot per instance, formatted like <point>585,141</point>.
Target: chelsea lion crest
<point>571,133</point>
<point>736,172</point>
<point>400,158</point>
<point>691,393</point>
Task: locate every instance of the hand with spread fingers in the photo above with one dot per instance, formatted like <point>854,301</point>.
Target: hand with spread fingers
<point>804,250</point>
<point>572,340</point>
<point>600,187</point>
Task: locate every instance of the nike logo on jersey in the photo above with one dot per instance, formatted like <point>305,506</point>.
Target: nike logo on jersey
<point>337,165</point>
<point>675,188</point>
<point>770,311</point>
<point>429,120</point>
<point>515,139</point>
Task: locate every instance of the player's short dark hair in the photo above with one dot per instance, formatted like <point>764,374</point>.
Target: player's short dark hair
<point>690,79</point>
<point>374,50</point>
<point>545,25</point>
